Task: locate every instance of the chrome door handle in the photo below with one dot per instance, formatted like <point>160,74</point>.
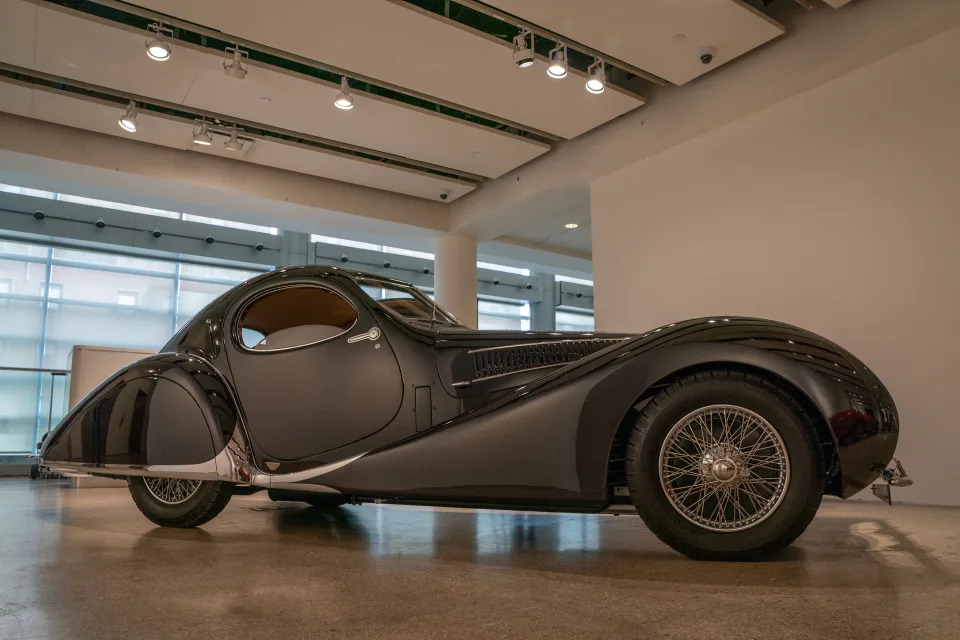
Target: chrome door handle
<point>372,334</point>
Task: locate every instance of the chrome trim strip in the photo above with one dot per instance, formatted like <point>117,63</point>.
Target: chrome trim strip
<point>268,480</point>
<point>310,488</point>
<point>222,467</point>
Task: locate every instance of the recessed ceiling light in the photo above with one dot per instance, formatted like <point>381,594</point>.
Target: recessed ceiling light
<point>203,137</point>
<point>235,68</point>
<point>558,62</point>
<point>265,100</point>
<point>157,48</point>
<point>598,77</point>
<point>128,121</point>
<point>344,100</point>
<point>572,225</point>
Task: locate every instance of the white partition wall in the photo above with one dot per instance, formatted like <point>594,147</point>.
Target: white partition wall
<point>837,210</point>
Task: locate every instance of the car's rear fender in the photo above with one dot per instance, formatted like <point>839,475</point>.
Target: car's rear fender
<point>611,400</point>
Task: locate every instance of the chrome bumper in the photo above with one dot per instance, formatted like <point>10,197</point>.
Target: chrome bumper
<point>895,476</point>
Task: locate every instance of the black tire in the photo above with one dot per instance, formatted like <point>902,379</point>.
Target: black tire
<point>319,500</point>
<point>800,499</point>
<point>202,506</point>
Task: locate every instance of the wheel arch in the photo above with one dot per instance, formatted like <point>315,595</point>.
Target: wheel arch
<point>612,404</point>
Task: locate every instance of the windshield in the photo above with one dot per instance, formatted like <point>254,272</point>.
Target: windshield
<point>406,301</point>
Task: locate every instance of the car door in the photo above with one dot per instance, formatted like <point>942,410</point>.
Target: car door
<point>312,370</point>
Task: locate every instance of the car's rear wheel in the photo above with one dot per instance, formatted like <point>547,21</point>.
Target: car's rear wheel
<point>725,465</point>
<point>176,502</point>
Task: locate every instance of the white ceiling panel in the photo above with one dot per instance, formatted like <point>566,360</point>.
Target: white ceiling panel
<point>306,106</point>
<point>62,108</point>
<point>18,22</point>
<point>195,78</point>
<point>16,98</point>
<point>401,45</point>
<point>659,36</point>
<point>357,171</point>
<point>208,13</point>
<point>86,50</point>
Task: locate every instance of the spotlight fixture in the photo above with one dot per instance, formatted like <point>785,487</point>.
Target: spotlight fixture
<point>100,223</point>
<point>386,265</point>
<point>209,240</point>
<point>235,68</point>
<point>128,121</point>
<point>572,225</point>
<point>157,48</point>
<point>258,247</point>
<point>344,99</point>
<point>522,54</point>
<point>202,136</point>
<point>156,233</point>
<point>234,143</point>
<point>39,215</point>
<point>344,258</point>
<point>557,68</point>
<point>598,77</point>
<point>426,271</point>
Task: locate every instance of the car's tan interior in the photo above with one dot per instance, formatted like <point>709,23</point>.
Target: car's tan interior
<point>298,315</point>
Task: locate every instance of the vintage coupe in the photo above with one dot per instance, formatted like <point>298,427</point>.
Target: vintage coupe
<point>723,432</point>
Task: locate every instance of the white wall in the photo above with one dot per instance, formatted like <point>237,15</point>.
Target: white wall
<point>838,210</point>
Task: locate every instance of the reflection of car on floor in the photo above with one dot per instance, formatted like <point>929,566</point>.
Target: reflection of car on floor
<point>331,386</point>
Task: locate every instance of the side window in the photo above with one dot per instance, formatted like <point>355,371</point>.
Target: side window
<point>294,317</point>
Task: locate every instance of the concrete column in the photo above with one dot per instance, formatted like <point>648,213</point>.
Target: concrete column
<point>543,314</point>
<point>455,281</point>
<point>295,249</point>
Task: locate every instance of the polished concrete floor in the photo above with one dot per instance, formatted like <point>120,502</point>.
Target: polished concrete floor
<point>79,564</point>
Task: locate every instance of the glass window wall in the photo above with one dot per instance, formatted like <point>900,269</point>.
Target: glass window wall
<point>53,298</point>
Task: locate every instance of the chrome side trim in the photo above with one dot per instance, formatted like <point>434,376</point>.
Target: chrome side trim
<point>309,488</point>
<point>274,480</point>
<point>223,467</point>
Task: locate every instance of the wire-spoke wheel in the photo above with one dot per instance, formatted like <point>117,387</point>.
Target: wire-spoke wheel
<point>725,465</point>
<point>724,468</point>
<point>171,490</point>
<point>177,502</point>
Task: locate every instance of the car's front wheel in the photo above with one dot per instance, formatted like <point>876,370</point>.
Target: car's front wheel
<point>176,502</point>
<point>724,465</point>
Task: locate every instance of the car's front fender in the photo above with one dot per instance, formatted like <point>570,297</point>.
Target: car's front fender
<point>167,412</point>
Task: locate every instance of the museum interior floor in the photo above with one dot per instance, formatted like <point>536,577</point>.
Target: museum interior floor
<point>84,564</point>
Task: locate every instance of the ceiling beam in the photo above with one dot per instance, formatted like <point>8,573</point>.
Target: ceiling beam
<point>182,169</point>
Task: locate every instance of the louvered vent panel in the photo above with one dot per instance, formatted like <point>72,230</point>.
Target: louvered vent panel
<point>502,360</point>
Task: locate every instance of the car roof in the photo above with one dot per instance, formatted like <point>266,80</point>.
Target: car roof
<point>328,270</point>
